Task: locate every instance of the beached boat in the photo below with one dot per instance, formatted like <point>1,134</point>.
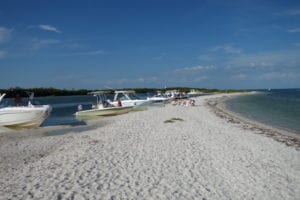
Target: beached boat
<point>129,98</point>
<point>194,93</point>
<point>29,116</point>
<point>175,94</point>
<point>160,98</point>
<point>103,107</point>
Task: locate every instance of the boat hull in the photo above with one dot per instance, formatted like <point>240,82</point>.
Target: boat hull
<point>24,116</point>
<point>160,99</point>
<point>105,111</point>
<point>133,103</point>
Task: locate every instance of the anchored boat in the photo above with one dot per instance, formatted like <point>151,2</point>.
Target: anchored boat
<point>104,107</point>
<point>29,116</point>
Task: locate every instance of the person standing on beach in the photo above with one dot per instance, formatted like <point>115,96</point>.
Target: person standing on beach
<point>18,100</point>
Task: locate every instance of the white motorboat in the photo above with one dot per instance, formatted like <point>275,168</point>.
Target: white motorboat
<point>129,98</point>
<point>160,98</point>
<point>194,93</point>
<point>29,116</point>
<point>103,107</point>
<point>175,94</point>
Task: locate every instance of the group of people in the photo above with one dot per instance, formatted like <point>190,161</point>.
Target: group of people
<point>183,102</point>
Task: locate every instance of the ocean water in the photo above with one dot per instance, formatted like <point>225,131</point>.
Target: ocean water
<point>64,108</point>
<point>279,108</point>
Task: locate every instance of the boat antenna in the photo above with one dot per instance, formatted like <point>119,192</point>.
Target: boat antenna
<point>31,95</point>
<point>109,87</point>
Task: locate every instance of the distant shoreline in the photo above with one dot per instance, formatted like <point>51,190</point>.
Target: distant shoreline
<point>45,92</point>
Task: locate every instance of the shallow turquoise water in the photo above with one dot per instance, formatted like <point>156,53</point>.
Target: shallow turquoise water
<point>277,108</point>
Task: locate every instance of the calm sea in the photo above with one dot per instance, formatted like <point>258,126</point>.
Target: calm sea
<point>279,108</point>
<point>64,108</point>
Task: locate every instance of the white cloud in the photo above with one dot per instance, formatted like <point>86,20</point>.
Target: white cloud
<point>117,82</point>
<point>152,79</point>
<point>264,60</point>
<point>206,57</point>
<point>229,49</point>
<point>73,45</point>
<point>132,81</point>
<point>292,12</point>
<point>141,80</point>
<point>159,57</point>
<point>5,34</point>
<point>196,68</point>
<point>279,76</point>
<point>91,53</point>
<point>239,77</point>
<point>38,44</point>
<point>294,30</point>
<point>200,79</point>
<point>46,27</point>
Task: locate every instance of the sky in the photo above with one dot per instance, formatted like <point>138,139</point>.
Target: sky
<point>224,44</point>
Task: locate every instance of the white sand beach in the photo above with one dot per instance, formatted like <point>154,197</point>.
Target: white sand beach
<point>202,154</point>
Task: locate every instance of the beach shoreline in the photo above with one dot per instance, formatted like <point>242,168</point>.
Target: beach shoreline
<point>170,152</point>
<point>218,105</point>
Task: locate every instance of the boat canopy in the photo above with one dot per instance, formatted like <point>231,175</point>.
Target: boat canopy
<point>124,91</point>
<point>125,95</point>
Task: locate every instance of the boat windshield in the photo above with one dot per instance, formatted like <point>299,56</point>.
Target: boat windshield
<point>133,96</point>
<point>4,104</point>
<point>126,96</point>
<point>121,97</point>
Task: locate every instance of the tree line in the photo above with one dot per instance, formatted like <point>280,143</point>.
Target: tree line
<point>41,92</point>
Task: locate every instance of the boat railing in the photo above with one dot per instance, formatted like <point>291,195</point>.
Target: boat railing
<point>2,96</point>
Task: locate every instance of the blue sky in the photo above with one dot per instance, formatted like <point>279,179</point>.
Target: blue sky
<point>150,43</point>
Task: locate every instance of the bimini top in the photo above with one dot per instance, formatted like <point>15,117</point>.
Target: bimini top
<point>124,91</point>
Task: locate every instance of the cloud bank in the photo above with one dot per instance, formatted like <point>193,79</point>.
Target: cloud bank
<point>38,43</point>
<point>195,68</point>
<point>46,27</point>
<point>5,34</point>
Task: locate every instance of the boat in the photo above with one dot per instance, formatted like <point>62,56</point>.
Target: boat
<point>29,116</point>
<point>175,94</point>
<point>194,93</point>
<point>160,98</point>
<point>103,107</point>
<point>129,98</point>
